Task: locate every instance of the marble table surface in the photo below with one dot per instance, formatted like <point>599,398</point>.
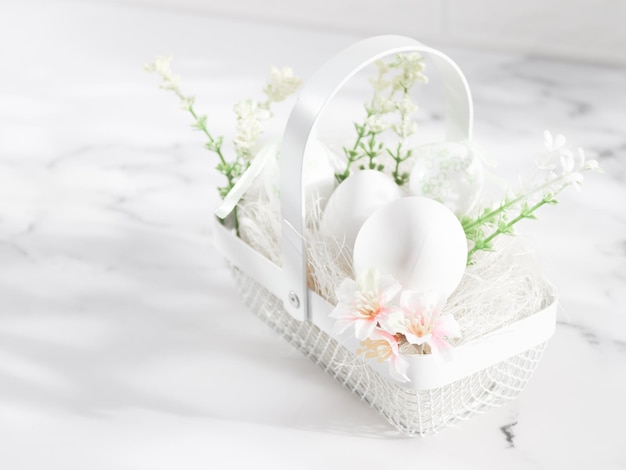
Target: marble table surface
<point>123,344</point>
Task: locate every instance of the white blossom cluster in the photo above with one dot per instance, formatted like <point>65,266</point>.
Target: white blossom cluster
<point>559,167</point>
<point>169,81</point>
<point>249,116</point>
<point>283,83</point>
<point>409,71</point>
<point>251,113</point>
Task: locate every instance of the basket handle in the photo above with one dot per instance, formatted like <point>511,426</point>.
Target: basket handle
<point>313,97</point>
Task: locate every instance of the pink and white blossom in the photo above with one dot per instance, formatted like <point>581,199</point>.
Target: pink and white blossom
<point>422,321</point>
<point>383,346</point>
<point>365,302</point>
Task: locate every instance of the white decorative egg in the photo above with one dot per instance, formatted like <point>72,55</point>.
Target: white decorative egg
<point>353,201</point>
<point>417,240</point>
<point>319,167</point>
<point>449,172</point>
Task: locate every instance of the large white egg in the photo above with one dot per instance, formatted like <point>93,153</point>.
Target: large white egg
<point>353,201</point>
<point>449,172</point>
<point>417,240</point>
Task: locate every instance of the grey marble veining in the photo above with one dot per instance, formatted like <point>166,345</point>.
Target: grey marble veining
<point>118,318</point>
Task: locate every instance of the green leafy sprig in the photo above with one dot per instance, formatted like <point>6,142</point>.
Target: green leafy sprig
<point>249,115</point>
<point>492,222</point>
<point>399,156</point>
<point>387,86</point>
<point>231,170</point>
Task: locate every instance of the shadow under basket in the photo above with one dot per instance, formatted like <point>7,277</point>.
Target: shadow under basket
<point>411,411</point>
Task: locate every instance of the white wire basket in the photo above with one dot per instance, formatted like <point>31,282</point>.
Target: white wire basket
<point>480,374</point>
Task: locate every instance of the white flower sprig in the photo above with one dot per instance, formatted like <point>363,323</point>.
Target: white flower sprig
<point>161,66</point>
<point>557,168</point>
<point>169,81</point>
<point>384,103</point>
<point>283,83</point>
<point>249,114</point>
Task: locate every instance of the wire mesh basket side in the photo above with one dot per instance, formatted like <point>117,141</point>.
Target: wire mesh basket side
<point>410,411</point>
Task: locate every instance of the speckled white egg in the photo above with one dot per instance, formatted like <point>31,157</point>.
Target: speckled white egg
<point>417,240</point>
<point>353,201</point>
<point>449,172</point>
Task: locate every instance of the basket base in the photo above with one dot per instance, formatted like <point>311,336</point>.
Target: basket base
<point>411,411</point>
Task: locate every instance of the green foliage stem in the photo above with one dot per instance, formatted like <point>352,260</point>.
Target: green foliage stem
<point>231,170</point>
<point>505,227</point>
<point>399,157</point>
<point>370,150</point>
